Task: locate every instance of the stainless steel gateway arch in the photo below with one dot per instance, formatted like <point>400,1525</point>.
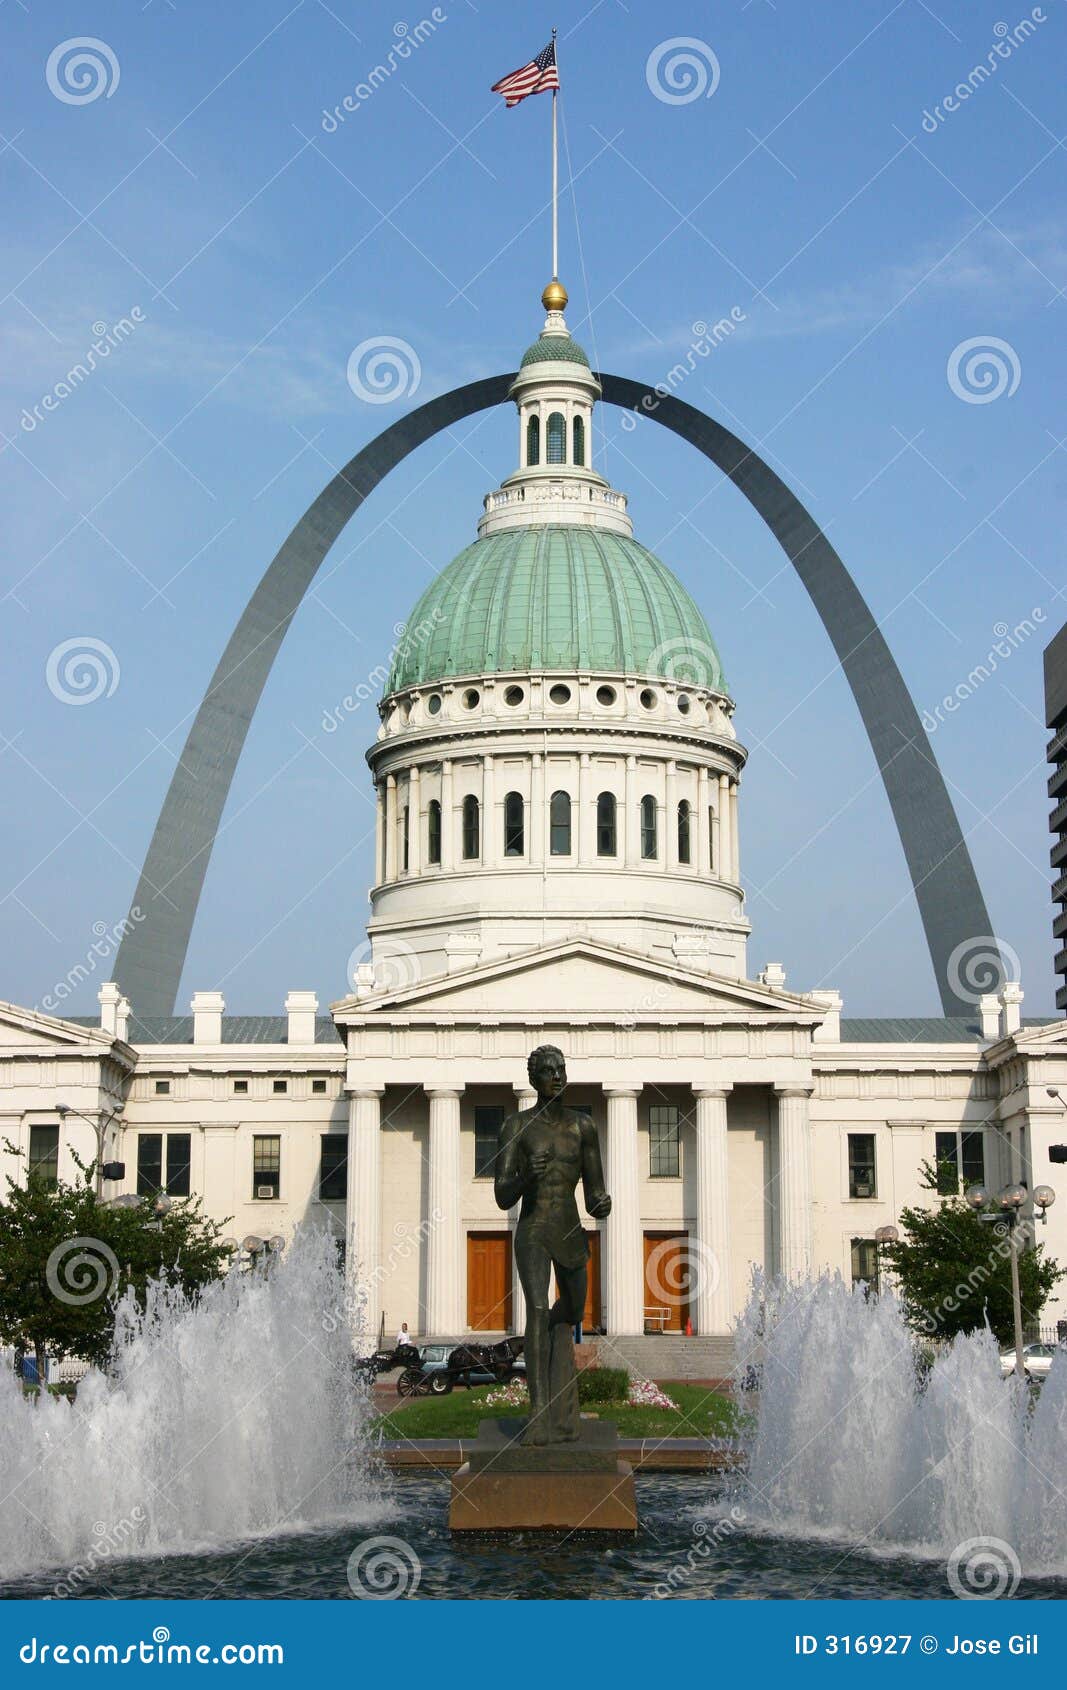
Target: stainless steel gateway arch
<point>152,955</point>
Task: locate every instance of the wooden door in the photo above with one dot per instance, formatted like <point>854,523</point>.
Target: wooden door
<point>591,1317</point>
<point>666,1281</point>
<point>489,1281</point>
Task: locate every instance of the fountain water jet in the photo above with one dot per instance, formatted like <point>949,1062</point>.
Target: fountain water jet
<point>846,1445</point>
<point>235,1416</point>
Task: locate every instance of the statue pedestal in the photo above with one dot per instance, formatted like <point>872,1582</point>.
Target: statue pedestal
<point>507,1486</point>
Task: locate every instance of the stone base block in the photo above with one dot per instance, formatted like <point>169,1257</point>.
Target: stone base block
<point>493,1501</point>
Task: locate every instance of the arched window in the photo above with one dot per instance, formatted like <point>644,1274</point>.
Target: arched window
<point>605,825</point>
<point>711,837</point>
<point>406,826</point>
<point>684,832</point>
<point>649,843</point>
<point>514,831</point>
<point>472,846</point>
<point>557,438</point>
<point>559,824</point>
<point>578,455</point>
<point>533,440</point>
<point>433,832</point>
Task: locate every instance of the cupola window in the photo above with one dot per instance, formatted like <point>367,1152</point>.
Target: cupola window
<point>533,441</point>
<point>557,438</point>
<point>514,828</point>
<point>684,832</point>
<point>433,832</point>
<point>406,848</point>
<point>578,454</point>
<point>649,847</point>
<point>559,824</point>
<point>471,829</point>
<point>606,830</point>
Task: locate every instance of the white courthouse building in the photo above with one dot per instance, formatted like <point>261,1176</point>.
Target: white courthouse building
<point>559,860</point>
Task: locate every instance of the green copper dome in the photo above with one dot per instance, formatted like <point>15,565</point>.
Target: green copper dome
<point>556,597</point>
<point>554,348</point>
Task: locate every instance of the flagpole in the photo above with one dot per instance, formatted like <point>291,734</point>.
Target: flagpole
<point>555,181</point>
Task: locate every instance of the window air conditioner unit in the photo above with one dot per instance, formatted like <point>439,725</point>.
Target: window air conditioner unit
<point>264,1191</point>
<point>863,1189</point>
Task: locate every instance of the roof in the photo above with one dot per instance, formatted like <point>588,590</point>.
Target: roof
<point>555,349</point>
<point>561,597</point>
<point>236,1029</point>
<point>918,1029</point>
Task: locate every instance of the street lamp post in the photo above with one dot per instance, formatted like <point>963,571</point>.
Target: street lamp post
<point>100,1129</point>
<point>1009,1203</point>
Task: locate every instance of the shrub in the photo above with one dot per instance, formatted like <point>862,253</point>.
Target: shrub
<point>603,1384</point>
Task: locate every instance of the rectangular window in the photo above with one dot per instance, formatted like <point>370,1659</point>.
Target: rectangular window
<point>280,1087</point>
<point>488,1120</point>
<point>663,1139</point>
<point>865,1262</point>
<point>318,1088</point>
<point>240,1088</point>
<point>861,1182</point>
<point>333,1168</point>
<point>946,1156</point>
<point>266,1165</point>
<point>149,1164</point>
<point>44,1156</point>
<point>972,1158</point>
<point>179,1156</point>
<point>162,1088</point>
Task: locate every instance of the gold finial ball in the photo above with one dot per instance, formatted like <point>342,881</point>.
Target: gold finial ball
<point>554,297</point>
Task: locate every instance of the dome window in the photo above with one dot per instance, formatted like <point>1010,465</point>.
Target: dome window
<point>605,696</point>
<point>514,696</point>
<point>472,847</point>
<point>556,437</point>
<point>433,832</point>
<point>433,704</point>
<point>559,824</point>
<point>514,826</point>
<point>533,441</point>
<point>560,694</point>
<point>685,844</point>
<point>683,703</point>
<point>406,837</point>
<point>648,699</point>
<point>649,842</point>
<point>578,435</point>
<point>606,829</point>
<point>471,698</point>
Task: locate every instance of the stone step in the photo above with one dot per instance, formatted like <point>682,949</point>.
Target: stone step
<point>669,1357</point>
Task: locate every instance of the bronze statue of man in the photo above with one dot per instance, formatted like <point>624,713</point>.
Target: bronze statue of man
<point>544,1151</point>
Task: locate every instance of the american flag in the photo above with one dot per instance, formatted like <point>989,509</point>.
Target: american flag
<point>535,78</point>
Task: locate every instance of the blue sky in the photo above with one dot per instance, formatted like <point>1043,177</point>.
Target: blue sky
<point>259,247</point>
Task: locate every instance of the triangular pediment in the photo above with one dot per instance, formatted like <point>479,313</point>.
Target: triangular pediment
<point>583,978</point>
<point>27,1030</point>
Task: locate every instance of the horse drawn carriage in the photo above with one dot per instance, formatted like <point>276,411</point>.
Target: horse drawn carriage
<point>438,1369</point>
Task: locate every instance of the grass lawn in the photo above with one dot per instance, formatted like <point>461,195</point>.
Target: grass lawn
<point>700,1413</point>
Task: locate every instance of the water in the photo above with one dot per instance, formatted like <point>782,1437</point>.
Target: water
<point>846,1448</point>
<point>222,1421</point>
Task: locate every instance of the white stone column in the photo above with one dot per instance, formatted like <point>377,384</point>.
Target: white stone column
<point>735,841</point>
<point>670,844</point>
<point>390,827</point>
<point>414,820</point>
<point>490,844</point>
<point>445,1315</point>
<point>379,834</point>
<point>625,1246</point>
<point>525,1098</point>
<point>586,812</point>
<point>723,818</point>
<point>711,1263</point>
<point>363,1209</point>
<point>448,817</point>
<point>701,847</point>
<point>796,1215</point>
<point>536,823</point>
<point>631,827</point>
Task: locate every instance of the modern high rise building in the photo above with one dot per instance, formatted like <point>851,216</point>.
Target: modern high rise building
<point>1056,721</point>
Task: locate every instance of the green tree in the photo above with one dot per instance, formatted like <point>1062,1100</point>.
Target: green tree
<point>954,1269</point>
<point>66,1260</point>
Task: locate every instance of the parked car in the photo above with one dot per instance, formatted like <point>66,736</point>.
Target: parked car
<point>1037,1359</point>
